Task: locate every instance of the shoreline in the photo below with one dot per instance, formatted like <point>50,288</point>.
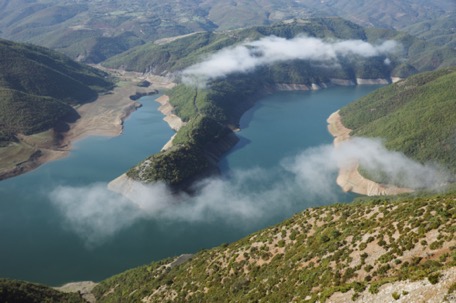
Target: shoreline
<point>123,184</point>
<point>349,178</point>
<point>174,121</point>
<point>103,117</point>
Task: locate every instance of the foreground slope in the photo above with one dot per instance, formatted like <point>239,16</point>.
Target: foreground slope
<point>322,252</point>
<point>416,116</point>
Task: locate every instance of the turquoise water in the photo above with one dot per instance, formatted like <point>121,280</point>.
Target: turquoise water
<point>38,245</point>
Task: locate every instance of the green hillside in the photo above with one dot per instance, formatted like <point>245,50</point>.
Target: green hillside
<point>354,247</point>
<point>440,31</point>
<point>24,292</point>
<point>416,116</point>
<point>38,88</point>
<point>352,250</point>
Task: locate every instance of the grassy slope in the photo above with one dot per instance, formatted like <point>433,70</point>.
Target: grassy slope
<point>39,86</point>
<point>416,116</point>
<point>24,292</point>
<point>320,251</point>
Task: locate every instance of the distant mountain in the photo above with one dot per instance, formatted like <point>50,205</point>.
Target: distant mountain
<point>416,116</point>
<point>92,31</point>
<point>38,88</point>
<point>370,250</point>
<point>385,14</point>
<point>166,58</point>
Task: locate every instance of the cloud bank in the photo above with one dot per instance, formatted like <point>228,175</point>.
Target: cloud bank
<point>247,56</point>
<point>247,197</point>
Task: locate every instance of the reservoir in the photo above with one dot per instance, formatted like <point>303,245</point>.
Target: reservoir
<point>39,243</point>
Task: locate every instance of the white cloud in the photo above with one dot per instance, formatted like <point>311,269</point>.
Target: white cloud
<point>249,196</point>
<point>247,56</point>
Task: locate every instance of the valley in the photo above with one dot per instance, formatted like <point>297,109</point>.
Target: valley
<point>242,151</point>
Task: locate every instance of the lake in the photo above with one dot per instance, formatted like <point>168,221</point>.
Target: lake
<point>38,244</point>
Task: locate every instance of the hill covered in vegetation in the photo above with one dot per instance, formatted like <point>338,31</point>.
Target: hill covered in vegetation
<point>369,250</point>
<point>222,101</point>
<point>349,250</point>
<point>416,116</point>
<point>39,87</point>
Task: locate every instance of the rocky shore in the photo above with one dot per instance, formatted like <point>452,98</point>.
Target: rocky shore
<point>349,178</point>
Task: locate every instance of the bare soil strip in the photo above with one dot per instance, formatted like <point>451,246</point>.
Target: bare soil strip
<point>103,117</point>
<point>349,178</point>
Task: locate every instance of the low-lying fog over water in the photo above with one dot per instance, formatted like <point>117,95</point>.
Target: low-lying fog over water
<point>59,223</point>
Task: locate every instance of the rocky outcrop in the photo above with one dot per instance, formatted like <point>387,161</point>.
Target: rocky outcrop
<point>406,291</point>
<point>167,109</point>
<point>361,81</point>
<point>83,288</point>
<point>396,79</point>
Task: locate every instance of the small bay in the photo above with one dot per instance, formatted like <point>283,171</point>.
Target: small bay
<point>37,244</point>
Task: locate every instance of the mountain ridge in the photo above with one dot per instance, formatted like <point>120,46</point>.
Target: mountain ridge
<point>85,29</point>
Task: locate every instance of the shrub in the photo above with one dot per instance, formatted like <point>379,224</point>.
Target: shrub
<point>434,278</point>
<point>395,295</point>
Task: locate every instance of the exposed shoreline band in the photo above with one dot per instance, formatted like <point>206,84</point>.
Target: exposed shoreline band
<point>349,178</point>
<point>103,117</point>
